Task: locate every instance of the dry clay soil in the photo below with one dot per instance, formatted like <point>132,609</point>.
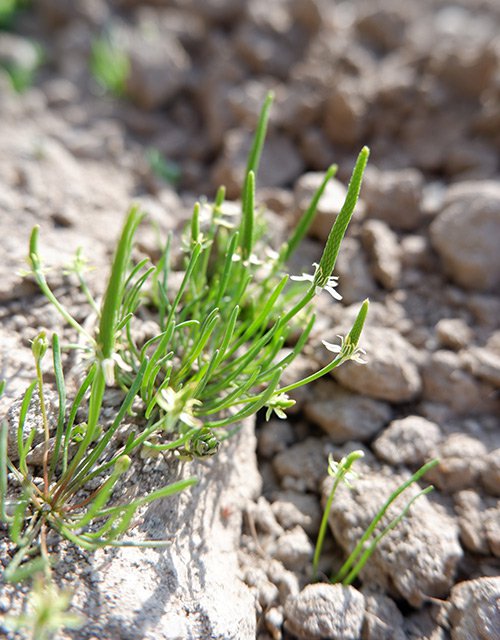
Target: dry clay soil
<point>420,84</point>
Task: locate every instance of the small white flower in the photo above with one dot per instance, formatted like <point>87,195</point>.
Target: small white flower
<point>178,408</point>
<point>108,368</point>
<point>346,349</point>
<point>330,285</point>
<point>252,260</point>
<point>344,468</point>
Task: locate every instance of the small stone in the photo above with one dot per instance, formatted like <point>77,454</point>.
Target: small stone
<point>479,521</point>
<point>297,509</point>
<point>394,197</point>
<point>383,247</point>
<point>344,415</point>
<point>465,234</point>
<point>490,474</point>
<point>306,461</point>
<point>410,441</point>
<point>325,611</point>
<point>294,549</point>
<point>454,333</point>
<point>345,114</point>
<point>158,64</point>
<point>391,372</point>
<point>274,437</point>
<point>461,461</point>
<point>474,611</point>
<point>355,279</point>
<point>383,620</point>
<point>263,517</point>
<point>273,618</point>
<point>286,581</point>
<point>446,381</point>
<point>483,364</point>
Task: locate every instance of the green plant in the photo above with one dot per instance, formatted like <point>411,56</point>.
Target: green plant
<point>165,169</point>
<point>47,612</point>
<point>9,10</point>
<point>342,472</point>
<point>75,455</point>
<point>110,65</point>
<point>218,356</point>
<point>22,70</point>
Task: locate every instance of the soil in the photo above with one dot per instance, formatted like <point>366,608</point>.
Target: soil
<point>419,83</point>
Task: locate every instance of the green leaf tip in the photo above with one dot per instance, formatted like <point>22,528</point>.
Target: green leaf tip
<point>357,327</point>
<point>337,233</point>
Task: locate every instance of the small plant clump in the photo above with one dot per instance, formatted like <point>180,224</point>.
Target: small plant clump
<point>342,472</point>
<point>217,358</point>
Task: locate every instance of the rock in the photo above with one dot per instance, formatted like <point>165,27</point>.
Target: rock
<point>263,518</point>
<point>345,111</point>
<point>305,461</point>
<point>158,64</point>
<point>286,581</point>
<point>479,522</point>
<point>221,11</point>
<point>355,279</point>
<point>461,461</point>
<point>273,619</point>
<point>383,620</point>
<point>391,372</point>
<point>418,558</point>
<point>445,380</point>
<point>474,611</point>
<point>274,437</point>
<point>325,611</point>
<point>294,549</point>
<point>192,588</point>
<point>384,27</point>
<point>454,333</point>
<point>293,509</point>
<point>465,234</point>
<point>410,441</point>
<point>483,364</point>
<point>274,36</point>
<point>394,197</point>
<point>280,162</point>
<point>490,474</point>
<point>328,207</point>
<point>344,415</point>
<point>383,248</point>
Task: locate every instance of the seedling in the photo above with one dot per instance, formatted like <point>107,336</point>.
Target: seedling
<point>110,65</point>
<point>342,472</point>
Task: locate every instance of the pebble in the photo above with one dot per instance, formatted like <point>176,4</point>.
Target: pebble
<point>411,441</point>
<point>292,508</point>
<point>383,248</point>
<point>394,197</point>
<point>461,461</point>
<point>344,415</point>
<point>466,232</point>
<point>325,611</point>
<point>305,461</point>
<point>294,549</point>
<point>391,372</point>
<point>474,611</point>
